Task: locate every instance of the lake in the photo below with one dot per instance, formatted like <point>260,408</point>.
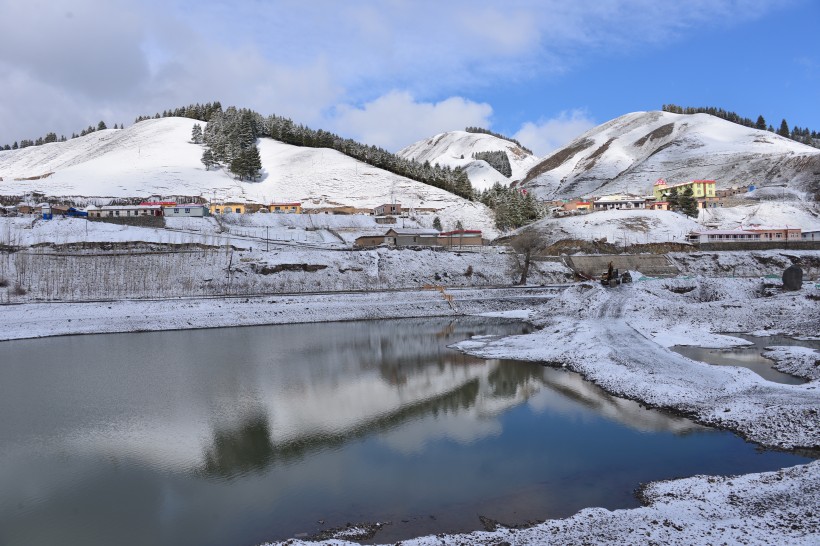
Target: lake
<point>238,436</point>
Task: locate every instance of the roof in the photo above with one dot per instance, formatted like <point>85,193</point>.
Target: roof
<point>285,205</point>
<point>460,232</point>
<point>184,205</point>
<point>403,231</point>
<point>722,232</point>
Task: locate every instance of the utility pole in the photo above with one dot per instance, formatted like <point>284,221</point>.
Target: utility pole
<point>267,238</point>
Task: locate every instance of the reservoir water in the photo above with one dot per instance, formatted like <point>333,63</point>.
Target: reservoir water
<point>238,436</point>
<point>749,356</point>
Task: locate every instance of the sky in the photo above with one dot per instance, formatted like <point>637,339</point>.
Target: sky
<point>392,72</point>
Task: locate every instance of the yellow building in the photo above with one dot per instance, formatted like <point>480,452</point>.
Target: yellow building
<point>700,188</point>
<point>285,208</point>
<point>227,208</point>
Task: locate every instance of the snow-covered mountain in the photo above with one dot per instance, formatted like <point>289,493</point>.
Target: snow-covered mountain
<point>156,157</point>
<point>629,153</point>
<point>456,149</point>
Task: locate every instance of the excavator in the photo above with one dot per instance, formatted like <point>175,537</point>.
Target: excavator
<point>612,278</point>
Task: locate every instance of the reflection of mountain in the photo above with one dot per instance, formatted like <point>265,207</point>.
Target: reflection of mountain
<point>240,450</point>
<point>575,388</point>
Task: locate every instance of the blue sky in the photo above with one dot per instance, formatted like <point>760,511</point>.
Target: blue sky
<point>394,71</point>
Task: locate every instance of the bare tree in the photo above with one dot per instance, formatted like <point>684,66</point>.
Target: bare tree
<point>526,244</point>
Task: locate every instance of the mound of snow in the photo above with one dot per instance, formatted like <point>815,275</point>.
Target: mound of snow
<point>623,227</point>
<point>456,149</point>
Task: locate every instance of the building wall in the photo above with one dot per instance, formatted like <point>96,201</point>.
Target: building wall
<point>285,208</point>
<point>227,208</point>
<point>183,211</point>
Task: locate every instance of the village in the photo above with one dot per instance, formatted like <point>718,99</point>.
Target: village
<point>702,194</point>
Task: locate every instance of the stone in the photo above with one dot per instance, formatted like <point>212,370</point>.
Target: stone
<point>793,278</point>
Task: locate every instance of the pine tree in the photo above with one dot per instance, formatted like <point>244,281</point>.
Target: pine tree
<point>688,204</point>
<point>252,162</point>
<point>208,159</point>
<point>101,126</point>
<point>196,134</point>
<point>237,167</point>
<point>14,146</point>
<point>784,129</point>
<point>673,199</point>
<point>437,223</point>
<point>761,123</point>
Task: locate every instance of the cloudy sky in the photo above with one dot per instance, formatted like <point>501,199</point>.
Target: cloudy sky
<point>391,72</point>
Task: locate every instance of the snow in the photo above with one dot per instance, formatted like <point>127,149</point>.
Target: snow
<point>621,157</point>
<point>802,214</point>
<point>621,227</point>
<point>799,361</point>
<point>155,157</point>
<point>456,149</point>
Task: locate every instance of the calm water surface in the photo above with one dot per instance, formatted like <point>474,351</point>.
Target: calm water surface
<point>750,356</point>
<point>236,436</point>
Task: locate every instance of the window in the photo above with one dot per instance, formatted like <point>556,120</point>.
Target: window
<point>217,210</point>
<point>116,213</point>
<point>187,211</point>
<point>176,211</point>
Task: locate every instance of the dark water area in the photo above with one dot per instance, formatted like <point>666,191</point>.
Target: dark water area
<point>750,356</point>
<point>238,436</point>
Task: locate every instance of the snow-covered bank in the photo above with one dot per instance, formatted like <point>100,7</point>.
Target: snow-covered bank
<point>761,509</point>
<point>800,361</point>
<point>33,320</point>
<point>617,339</point>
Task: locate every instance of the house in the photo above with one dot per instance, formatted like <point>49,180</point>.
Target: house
<point>460,237</point>
<point>411,237</point>
<point>734,190</point>
<point>388,210</point>
<point>228,207</point>
<point>785,233</point>
<point>811,235</point>
<point>754,234</point>
<point>285,208</point>
<point>722,236</point>
<point>700,188</point>
<point>183,210</point>
<point>620,201</point>
<point>368,241</point>
<point>658,205</point>
<point>127,211</point>
<point>341,210</point>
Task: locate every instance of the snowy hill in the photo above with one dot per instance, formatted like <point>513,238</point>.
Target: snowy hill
<point>456,149</point>
<point>629,153</point>
<point>155,157</point>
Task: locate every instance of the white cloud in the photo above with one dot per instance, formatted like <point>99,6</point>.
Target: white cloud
<point>545,136</point>
<point>396,119</point>
<point>302,59</point>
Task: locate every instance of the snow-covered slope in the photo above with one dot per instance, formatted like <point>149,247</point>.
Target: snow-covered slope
<point>623,227</point>
<point>629,153</point>
<point>456,149</point>
<point>155,157</point>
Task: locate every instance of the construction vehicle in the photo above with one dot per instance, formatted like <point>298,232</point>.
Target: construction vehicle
<point>610,277</point>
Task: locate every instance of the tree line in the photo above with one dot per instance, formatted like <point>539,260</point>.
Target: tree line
<point>232,132</point>
<point>483,131</point>
<point>497,160</point>
<point>52,137</point>
<point>514,207</point>
<point>804,135</point>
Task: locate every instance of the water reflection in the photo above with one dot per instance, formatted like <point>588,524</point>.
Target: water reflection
<point>251,434</point>
<point>750,356</point>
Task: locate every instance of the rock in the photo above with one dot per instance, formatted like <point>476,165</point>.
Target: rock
<point>793,278</point>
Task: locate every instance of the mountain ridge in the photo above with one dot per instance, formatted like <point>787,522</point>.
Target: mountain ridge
<point>629,153</point>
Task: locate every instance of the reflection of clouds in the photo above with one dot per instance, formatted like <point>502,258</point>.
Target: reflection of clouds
<point>570,395</point>
<point>461,427</point>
